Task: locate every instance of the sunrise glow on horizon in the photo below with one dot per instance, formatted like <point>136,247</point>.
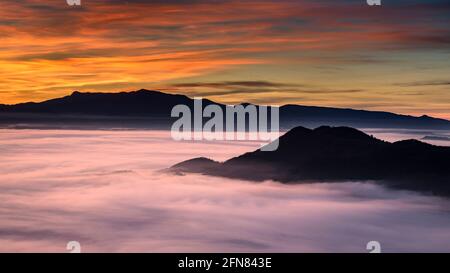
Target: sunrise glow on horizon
<point>325,53</point>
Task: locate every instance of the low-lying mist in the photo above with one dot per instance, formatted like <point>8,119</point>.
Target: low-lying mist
<point>104,189</point>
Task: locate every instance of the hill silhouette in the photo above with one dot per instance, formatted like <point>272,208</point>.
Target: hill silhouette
<point>146,108</point>
<point>337,154</point>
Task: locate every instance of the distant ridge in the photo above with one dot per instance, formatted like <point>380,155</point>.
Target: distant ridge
<point>440,138</point>
<point>147,108</point>
<point>337,154</point>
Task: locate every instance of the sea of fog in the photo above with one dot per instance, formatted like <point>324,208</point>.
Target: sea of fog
<point>105,190</point>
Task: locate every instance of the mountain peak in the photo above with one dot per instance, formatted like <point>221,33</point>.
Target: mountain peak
<point>150,103</point>
<point>341,132</point>
<point>199,164</point>
<point>148,91</point>
<point>299,131</point>
<point>337,154</point>
<point>412,144</point>
<point>324,132</point>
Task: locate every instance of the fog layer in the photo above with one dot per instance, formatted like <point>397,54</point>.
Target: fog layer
<point>104,189</point>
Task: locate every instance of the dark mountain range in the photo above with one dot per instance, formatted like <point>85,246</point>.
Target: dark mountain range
<point>152,109</point>
<point>337,154</point>
<point>138,103</point>
<point>440,138</point>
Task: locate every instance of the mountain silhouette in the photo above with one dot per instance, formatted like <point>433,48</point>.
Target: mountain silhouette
<point>337,154</point>
<point>146,108</point>
<point>136,103</point>
<point>440,138</point>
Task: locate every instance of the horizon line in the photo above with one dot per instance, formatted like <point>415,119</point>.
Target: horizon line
<point>206,97</point>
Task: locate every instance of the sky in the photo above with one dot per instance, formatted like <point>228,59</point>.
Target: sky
<point>394,57</point>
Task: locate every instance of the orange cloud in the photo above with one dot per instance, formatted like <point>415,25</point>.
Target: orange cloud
<point>48,49</point>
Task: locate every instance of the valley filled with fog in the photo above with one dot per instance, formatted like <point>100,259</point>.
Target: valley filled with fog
<point>105,189</point>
